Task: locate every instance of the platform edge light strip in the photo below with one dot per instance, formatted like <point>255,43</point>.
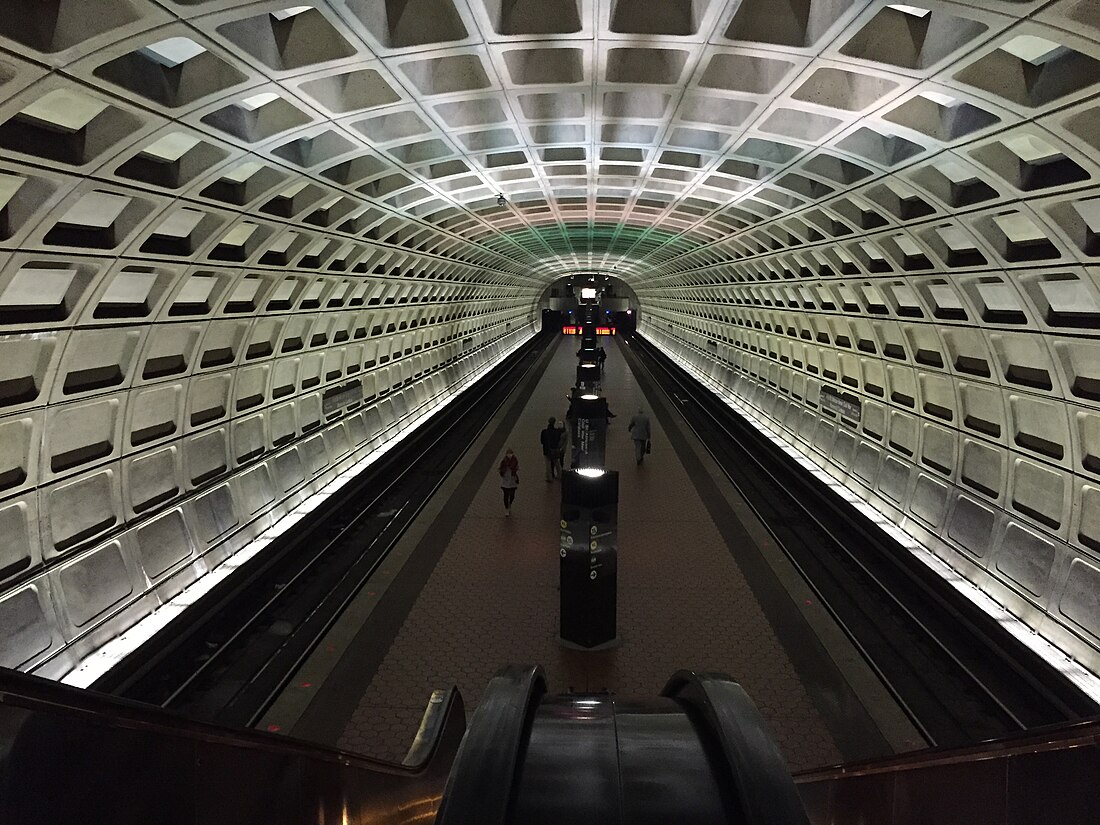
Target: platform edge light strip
<point>100,661</point>
<point>1083,678</point>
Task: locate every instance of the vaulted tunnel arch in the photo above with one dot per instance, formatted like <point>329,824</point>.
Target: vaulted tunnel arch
<point>215,214</point>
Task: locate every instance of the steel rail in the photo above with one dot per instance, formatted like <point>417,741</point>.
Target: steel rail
<point>464,406</point>
<point>762,467</point>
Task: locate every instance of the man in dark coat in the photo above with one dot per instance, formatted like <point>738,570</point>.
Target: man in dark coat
<point>549,439</point>
<point>639,432</point>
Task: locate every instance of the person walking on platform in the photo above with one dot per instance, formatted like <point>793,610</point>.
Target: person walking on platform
<point>639,431</point>
<point>549,440</point>
<point>601,356</point>
<point>559,453</point>
<point>509,479</point>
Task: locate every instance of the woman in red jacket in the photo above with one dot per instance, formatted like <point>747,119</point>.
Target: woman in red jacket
<point>509,479</point>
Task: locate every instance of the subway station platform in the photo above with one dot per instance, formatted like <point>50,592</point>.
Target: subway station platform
<point>701,586</point>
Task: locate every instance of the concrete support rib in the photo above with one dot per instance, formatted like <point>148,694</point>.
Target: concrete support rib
<point>216,216</point>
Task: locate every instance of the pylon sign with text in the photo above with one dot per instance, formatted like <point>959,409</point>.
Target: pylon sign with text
<point>589,430</point>
<point>589,557</point>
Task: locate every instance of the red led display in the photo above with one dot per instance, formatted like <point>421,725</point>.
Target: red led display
<point>575,330</point>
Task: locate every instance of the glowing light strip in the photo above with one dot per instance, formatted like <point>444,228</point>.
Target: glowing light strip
<point>100,661</point>
<point>1083,678</point>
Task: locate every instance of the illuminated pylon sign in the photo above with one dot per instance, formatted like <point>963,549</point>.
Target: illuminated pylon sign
<point>589,558</point>
<point>589,430</point>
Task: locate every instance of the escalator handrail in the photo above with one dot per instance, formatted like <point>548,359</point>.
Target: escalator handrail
<point>441,706</point>
<point>1063,736</point>
<point>481,785</point>
<point>39,695</point>
<point>762,781</point>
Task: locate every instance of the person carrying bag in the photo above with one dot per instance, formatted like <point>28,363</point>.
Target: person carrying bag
<point>548,438</point>
<point>509,479</point>
<point>639,431</point>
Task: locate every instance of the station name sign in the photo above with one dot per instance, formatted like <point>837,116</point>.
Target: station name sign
<point>343,396</point>
<point>843,404</point>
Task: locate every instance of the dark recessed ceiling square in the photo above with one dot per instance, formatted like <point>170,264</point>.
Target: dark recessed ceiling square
<point>717,110</point>
<point>667,17</point>
<point>445,75</point>
<point>550,106</point>
<point>558,133</point>
<point>627,133</point>
<point>489,140</point>
<point>512,17</point>
<point>477,112</point>
<point>290,39</point>
<point>351,91</point>
<point>744,73</point>
<point>799,124</point>
<point>544,66</point>
<point>637,65</point>
<point>622,153</point>
<point>639,104</point>
<point>838,89</point>
<point>394,126</point>
<point>410,22</point>
<point>797,23</point>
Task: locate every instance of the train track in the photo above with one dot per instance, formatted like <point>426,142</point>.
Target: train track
<point>958,677</point>
<point>240,646</point>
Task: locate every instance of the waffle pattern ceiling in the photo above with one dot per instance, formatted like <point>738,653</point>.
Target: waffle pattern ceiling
<point>702,117</point>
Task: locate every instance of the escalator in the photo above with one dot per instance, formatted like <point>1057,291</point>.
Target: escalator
<point>1045,775</point>
<point>699,754</point>
<point>73,756</point>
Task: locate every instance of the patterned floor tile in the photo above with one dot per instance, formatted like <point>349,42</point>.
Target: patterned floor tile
<point>493,599</point>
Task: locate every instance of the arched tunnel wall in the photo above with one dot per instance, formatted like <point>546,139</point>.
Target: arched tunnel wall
<point>214,214</point>
<point>974,360</point>
<point>167,414</point>
<point>178,319</point>
<point>140,454</point>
